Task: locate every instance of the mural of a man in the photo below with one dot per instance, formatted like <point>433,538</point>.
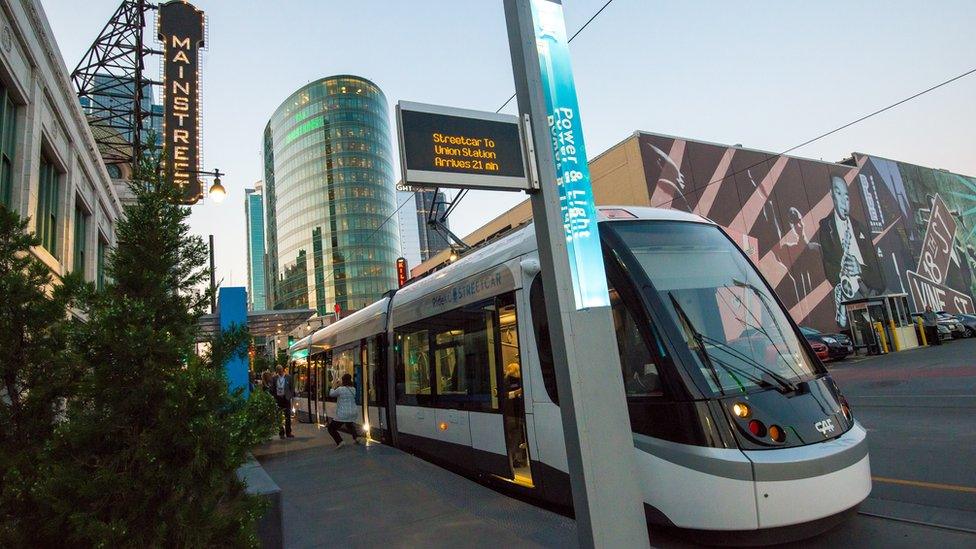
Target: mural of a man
<point>847,251</point>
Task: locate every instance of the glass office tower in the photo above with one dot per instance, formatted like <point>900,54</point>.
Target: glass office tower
<point>254,218</point>
<point>330,196</point>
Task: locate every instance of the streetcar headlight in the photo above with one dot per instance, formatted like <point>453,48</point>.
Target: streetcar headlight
<point>740,410</point>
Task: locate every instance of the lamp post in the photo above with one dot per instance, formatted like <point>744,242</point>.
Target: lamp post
<point>217,191</point>
<point>213,283</point>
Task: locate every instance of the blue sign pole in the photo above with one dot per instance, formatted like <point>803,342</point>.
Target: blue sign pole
<point>232,312</point>
<point>569,153</point>
<point>600,455</point>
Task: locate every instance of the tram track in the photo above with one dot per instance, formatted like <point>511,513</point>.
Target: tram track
<point>916,522</point>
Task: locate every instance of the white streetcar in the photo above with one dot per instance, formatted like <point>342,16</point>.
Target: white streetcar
<point>739,431</point>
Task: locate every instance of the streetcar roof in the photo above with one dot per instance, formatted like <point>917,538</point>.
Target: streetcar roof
<point>498,260</point>
<point>495,259</point>
<point>368,321</point>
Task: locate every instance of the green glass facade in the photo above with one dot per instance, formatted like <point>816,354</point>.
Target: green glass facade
<point>330,195</point>
<point>254,219</point>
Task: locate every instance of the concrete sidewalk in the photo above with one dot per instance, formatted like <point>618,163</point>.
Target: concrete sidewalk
<point>376,495</point>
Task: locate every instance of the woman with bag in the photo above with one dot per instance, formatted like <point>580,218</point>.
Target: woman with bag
<point>346,411</point>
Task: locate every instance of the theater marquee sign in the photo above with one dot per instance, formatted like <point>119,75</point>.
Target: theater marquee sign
<point>181,31</point>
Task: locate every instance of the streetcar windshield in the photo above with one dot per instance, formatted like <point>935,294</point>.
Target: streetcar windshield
<point>738,334</point>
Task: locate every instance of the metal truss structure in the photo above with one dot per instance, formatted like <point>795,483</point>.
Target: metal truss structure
<point>112,87</point>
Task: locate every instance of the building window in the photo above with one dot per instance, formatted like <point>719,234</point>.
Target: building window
<point>81,238</point>
<point>48,203</point>
<point>100,263</point>
<point>8,129</point>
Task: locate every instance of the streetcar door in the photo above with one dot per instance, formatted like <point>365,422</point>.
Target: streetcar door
<point>362,383</point>
<point>512,394</point>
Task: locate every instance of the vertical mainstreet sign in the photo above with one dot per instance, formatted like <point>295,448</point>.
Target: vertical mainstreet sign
<point>181,31</point>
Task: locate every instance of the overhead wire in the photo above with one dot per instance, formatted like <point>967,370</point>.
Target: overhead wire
<point>462,193</point>
<point>575,34</point>
<point>772,157</point>
<point>723,178</point>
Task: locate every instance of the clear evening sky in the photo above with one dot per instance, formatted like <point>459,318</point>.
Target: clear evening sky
<point>766,74</point>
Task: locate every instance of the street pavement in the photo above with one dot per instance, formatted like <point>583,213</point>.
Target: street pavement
<point>378,496</point>
<point>918,406</point>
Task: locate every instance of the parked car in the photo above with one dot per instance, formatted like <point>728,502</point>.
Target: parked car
<point>820,350</point>
<point>949,322</point>
<point>968,322</point>
<point>838,345</point>
<point>953,323</point>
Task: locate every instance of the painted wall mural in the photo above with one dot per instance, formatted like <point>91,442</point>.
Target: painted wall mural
<point>823,233</point>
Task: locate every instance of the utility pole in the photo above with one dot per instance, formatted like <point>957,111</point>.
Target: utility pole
<point>599,445</point>
<point>213,280</point>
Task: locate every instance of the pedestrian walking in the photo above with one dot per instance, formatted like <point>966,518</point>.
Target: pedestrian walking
<point>346,413</point>
<point>931,322</point>
<point>283,389</point>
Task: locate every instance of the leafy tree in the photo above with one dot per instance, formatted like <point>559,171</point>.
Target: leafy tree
<point>152,438</point>
<point>37,369</point>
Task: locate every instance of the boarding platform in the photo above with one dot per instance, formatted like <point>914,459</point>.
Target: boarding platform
<point>378,496</point>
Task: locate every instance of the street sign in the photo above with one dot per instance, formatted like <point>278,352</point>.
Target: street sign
<point>929,293</point>
<point>181,31</point>
<point>933,262</point>
<point>449,147</point>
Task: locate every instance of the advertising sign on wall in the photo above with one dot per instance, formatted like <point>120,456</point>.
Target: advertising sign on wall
<point>824,233</point>
<point>569,153</point>
<point>181,31</point>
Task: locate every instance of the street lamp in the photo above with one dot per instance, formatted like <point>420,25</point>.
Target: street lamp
<point>217,191</point>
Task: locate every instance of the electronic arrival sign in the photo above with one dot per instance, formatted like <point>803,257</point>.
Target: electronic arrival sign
<point>449,147</point>
<point>181,31</point>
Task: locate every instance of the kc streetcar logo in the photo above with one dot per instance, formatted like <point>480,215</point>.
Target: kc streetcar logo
<point>825,426</point>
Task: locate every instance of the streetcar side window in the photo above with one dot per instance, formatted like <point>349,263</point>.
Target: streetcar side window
<point>540,327</point>
<point>345,361</point>
<point>464,355</point>
<point>413,368</point>
<point>639,371</point>
<point>455,359</point>
<point>639,365</point>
